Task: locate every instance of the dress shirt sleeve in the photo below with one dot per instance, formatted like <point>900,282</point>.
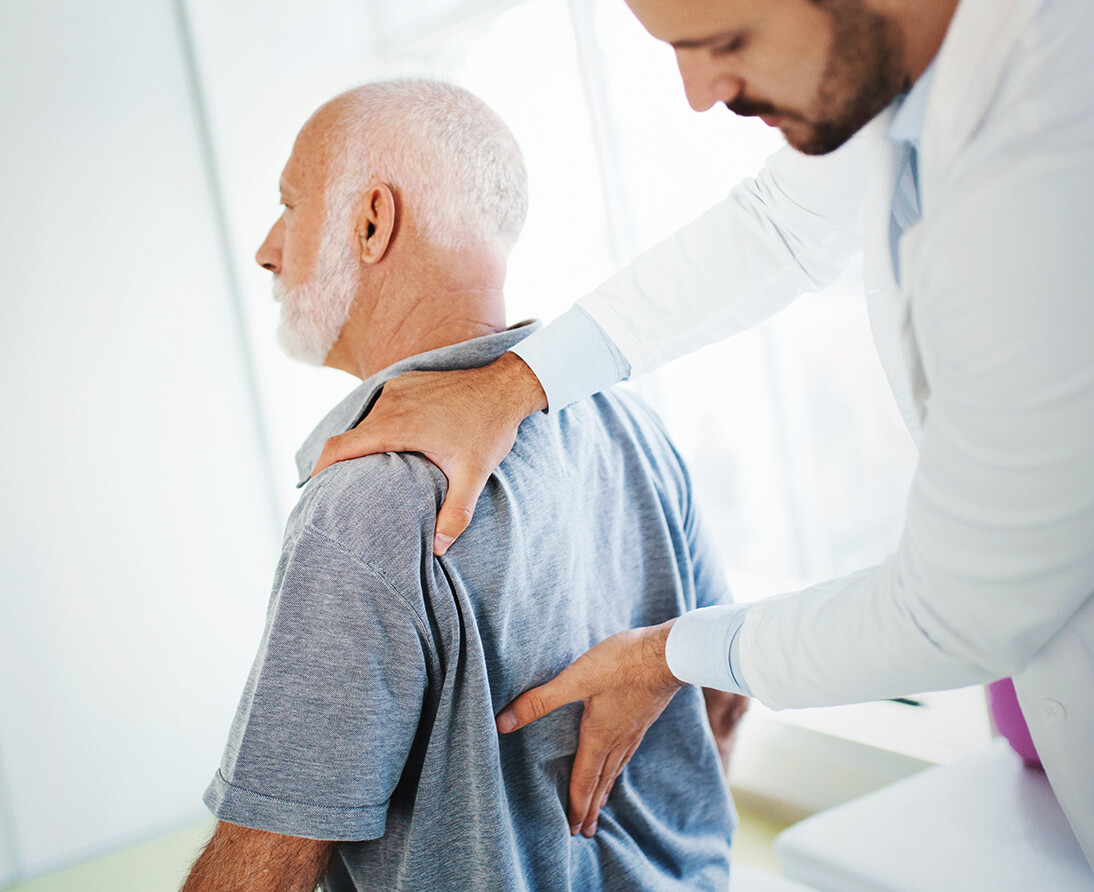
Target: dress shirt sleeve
<point>702,648</point>
<point>573,358</point>
<point>996,553</point>
<point>332,705</point>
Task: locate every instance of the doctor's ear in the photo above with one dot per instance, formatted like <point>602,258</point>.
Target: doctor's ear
<point>375,222</point>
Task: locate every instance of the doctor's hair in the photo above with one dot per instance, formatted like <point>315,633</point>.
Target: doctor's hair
<point>448,157</point>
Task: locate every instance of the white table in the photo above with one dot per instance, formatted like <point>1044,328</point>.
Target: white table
<point>987,823</point>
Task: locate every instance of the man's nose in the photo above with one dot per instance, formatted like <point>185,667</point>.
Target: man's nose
<point>269,252</point>
<point>705,82</point>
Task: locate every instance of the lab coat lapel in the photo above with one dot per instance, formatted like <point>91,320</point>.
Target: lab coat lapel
<point>970,63</point>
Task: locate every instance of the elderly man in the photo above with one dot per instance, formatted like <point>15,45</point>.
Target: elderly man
<point>364,750</point>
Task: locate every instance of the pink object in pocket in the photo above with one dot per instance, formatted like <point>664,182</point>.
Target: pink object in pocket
<point>1009,721</point>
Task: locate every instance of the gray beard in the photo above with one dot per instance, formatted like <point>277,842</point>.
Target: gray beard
<point>313,314</point>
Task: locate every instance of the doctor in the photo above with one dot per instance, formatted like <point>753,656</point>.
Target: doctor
<point>953,142</point>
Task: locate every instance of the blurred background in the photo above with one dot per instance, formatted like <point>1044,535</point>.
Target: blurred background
<point>150,421</point>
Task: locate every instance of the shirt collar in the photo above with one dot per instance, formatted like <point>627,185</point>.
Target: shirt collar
<point>348,413</point>
<point>911,111</point>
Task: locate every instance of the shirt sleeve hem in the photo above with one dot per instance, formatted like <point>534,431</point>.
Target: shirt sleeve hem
<point>698,646</point>
<point>745,642</point>
<point>573,358</point>
<point>247,808</point>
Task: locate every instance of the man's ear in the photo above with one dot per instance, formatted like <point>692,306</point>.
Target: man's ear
<point>375,222</point>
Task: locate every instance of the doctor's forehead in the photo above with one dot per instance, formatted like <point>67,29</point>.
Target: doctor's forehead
<point>695,21</point>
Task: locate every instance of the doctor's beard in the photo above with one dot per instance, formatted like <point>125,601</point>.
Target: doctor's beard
<point>863,74</point>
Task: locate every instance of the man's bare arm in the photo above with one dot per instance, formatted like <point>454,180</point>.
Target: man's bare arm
<point>465,422</point>
<point>240,859</point>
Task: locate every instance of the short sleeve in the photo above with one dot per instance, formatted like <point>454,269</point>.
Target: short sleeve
<point>332,704</point>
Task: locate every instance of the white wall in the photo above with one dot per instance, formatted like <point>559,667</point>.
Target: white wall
<point>138,532</point>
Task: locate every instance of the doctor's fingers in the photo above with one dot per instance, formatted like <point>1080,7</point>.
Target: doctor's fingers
<point>613,765</point>
<point>576,682</point>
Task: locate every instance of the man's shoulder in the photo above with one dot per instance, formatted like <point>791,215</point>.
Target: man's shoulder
<point>376,507</point>
<point>621,398</point>
<point>1024,86</point>
<point>602,444</point>
<point>627,416</point>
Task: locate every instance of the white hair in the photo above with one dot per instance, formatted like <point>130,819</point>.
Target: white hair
<point>456,166</point>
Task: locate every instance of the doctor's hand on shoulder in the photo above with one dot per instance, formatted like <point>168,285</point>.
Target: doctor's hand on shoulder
<point>463,421</point>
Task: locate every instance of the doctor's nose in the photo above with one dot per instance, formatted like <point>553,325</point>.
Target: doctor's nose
<point>705,84</point>
<point>268,255</point>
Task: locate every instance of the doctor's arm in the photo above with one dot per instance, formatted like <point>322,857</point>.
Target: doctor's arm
<point>247,860</point>
<point>792,228</point>
<point>995,557</point>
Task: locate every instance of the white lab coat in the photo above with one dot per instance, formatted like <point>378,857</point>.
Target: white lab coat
<point>988,342</point>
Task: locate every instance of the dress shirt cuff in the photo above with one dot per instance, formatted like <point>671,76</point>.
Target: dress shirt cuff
<point>573,358</point>
<point>702,648</point>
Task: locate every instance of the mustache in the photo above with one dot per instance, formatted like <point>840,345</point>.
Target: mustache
<point>750,108</point>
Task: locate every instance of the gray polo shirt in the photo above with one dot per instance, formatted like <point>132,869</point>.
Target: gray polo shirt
<point>368,716</point>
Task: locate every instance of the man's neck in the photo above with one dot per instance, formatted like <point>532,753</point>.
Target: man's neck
<point>423,339</point>
<point>924,25</point>
<point>433,300</point>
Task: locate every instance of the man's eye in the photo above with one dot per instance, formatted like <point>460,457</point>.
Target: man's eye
<point>730,46</point>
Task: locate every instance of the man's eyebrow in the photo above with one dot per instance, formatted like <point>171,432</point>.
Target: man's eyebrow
<point>697,42</point>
